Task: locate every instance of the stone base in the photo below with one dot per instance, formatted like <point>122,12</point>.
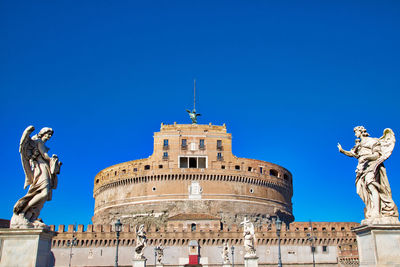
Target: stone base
<point>159,265</point>
<point>378,245</point>
<point>139,263</point>
<point>251,262</point>
<point>227,265</point>
<point>26,248</point>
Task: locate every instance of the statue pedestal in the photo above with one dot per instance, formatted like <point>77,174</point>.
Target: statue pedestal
<point>227,265</point>
<point>159,265</point>
<point>251,262</point>
<point>26,247</point>
<point>139,263</point>
<point>378,245</point>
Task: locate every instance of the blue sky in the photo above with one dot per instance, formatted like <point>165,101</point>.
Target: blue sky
<point>289,78</point>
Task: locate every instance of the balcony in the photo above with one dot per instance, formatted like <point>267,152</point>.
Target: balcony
<point>165,147</point>
<point>220,148</point>
<point>202,147</point>
<point>165,157</point>
<point>184,147</point>
<point>220,158</point>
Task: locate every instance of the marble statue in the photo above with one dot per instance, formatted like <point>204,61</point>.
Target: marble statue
<point>249,238</point>
<point>140,242</point>
<point>225,254</point>
<point>41,172</point>
<point>371,180</point>
<point>160,253</point>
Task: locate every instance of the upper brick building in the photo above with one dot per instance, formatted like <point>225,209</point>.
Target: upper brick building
<point>192,171</point>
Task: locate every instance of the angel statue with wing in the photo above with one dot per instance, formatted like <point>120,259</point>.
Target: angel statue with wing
<point>141,241</point>
<point>40,175</point>
<point>371,180</point>
<point>249,238</point>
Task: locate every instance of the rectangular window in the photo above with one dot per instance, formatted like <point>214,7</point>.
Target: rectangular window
<point>219,156</point>
<point>184,142</point>
<point>165,155</point>
<point>219,144</point>
<point>324,249</point>
<point>165,142</point>
<point>192,162</point>
<point>261,170</point>
<point>201,145</point>
<point>202,163</point>
<point>183,162</point>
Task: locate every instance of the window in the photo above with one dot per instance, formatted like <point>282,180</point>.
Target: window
<point>97,181</point>
<point>154,189</point>
<point>273,173</point>
<point>261,170</point>
<point>135,169</point>
<point>183,162</point>
<point>324,249</point>
<point>237,167</point>
<point>184,143</point>
<point>219,144</point>
<point>193,227</point>
<point>251,190</point>
<point>219,156</point>
<point>160,166</point>
<point>201,145</point>
<point>147,167</point>
<point>202,163</point>
<point>193,162</point>
<point>286,177</point>
<point>223,167</point>
<point>249,169</point>
<point>165,145</point>
<point>165,155</point>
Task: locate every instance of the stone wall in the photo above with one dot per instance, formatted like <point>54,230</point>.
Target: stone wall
<point>335,244</point>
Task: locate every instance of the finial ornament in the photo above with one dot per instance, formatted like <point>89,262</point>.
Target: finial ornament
<point>192,114</point>
<point>41,172</point>
<point>372,183</point>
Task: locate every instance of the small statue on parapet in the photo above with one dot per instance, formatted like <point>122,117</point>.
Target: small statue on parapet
<point>141,241</point>
<point>225,254</point>
<point>160,253</point>
<point>371,179</point>
<point>41,172</point>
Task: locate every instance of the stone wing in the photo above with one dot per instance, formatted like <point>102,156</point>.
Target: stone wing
<point>26,149</point>
<point>387,143</point>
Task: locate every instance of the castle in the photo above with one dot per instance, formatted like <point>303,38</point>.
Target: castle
<point>192,191</point>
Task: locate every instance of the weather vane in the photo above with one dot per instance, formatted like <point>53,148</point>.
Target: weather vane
<point>192,114</point>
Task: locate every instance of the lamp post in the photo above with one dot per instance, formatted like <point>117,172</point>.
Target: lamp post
<point>118,228</point>
<point>155,255</point>
<point>312,238</point>
<point>71,243</point>
<point>278,224</point>
<point>233,256</point>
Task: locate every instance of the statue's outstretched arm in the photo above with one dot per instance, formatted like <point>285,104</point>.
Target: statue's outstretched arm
<point>347,153</point>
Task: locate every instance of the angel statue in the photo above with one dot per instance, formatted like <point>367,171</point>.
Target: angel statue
<point>160,253</point>
<point>193,115</point>
<point>40,175</point>
<point>371,180</point>
<point>249,238</point>
<point>140,242</point>
<point>225,253</point>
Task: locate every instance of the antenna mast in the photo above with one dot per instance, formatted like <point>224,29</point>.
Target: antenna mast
<point>194,96</point>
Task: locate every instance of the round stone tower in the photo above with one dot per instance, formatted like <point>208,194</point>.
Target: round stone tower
<point>192,172</point>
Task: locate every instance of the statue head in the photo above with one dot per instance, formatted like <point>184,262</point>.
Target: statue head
<point>360,131</point>
<point>45,133</point>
